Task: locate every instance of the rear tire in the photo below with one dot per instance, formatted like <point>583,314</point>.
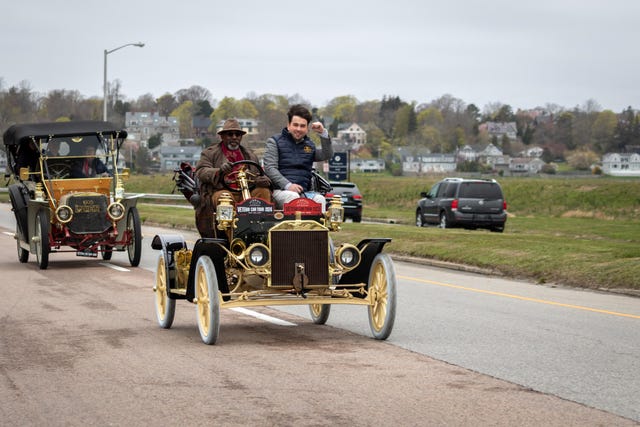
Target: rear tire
<point>443,220</point>
<point>357,218</point>
<point>320,313</point>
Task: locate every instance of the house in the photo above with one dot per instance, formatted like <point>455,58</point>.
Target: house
<point>366,165</point>
<point>500,129</point>
<point>353,134</point>
<point>142,126</point>
<point>534,151</point>
<point>170,157</point>
<point>621,164</point>
<point>525,165</point>
<point>466,154</point>
<point>426,162</point>
<point>201,125</point>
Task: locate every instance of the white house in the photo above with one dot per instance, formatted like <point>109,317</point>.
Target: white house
<point>367,165</point>
<point>621,164</point>
<point>426,163</point>
<point>525,165</point>
<point>353,134</point>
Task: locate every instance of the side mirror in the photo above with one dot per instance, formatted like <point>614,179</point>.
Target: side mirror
<point>423,194</point>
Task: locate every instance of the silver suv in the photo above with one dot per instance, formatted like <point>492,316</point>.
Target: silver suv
<point>467,203</point>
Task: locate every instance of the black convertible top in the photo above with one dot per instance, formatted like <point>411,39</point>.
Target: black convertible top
<point>16,133</point>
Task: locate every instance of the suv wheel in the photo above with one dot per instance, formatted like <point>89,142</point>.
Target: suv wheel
<point>419,221</point>
<point>443,220</point>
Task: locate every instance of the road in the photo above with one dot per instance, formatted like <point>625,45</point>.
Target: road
<point>79,345</point>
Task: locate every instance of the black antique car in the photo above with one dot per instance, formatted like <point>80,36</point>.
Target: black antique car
<point>266,256</point>
<point>67,193</point>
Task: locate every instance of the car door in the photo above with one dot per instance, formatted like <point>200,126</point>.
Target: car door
<point>429,204</point>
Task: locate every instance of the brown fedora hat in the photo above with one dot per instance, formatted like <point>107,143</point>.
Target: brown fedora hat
<point>231,125</point>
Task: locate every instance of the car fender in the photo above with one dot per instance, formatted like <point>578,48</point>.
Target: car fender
<point>368,248</point>
<point>33,207</point>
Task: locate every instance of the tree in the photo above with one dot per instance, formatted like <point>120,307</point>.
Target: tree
<point>341,109</point>
<point>564,130</point>
<point>405,121</point>
<point>154,141</point>
<point>387,114</point>
<point>203,108</point>
<point>166,104</point>
<point>627,133</point>
<point>582,159</point>
<point>145,103</point>
<point>195,94</point>
<point>230,107</point>
<point>184,113</point>
<point>603,131</point>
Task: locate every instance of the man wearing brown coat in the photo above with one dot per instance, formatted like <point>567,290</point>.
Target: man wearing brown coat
<point>216,162</point>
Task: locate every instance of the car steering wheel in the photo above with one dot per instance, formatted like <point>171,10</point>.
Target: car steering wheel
<point>230,179</point>
<point>59,170</point>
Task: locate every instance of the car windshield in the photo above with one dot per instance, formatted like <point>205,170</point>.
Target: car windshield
<point>480,190</point>
<point>81,146</point>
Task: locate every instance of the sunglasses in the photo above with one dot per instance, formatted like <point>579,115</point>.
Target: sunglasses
<point>233,133</point>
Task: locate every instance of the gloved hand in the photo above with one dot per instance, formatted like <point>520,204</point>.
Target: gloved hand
<point>263,181</point>
<point>225,168</point>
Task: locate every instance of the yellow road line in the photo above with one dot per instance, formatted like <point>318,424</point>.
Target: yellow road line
<point>541,301</point>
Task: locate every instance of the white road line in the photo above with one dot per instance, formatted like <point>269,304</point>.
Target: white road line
<point>115,267</point>
<point>263,316</point>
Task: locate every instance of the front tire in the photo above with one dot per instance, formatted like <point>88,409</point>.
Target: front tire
<point>42,240</point>
<point>419,221</point>
<point>320,313</point>
<point>165,306</point>
<point>382,293</point>
<point>207,300</point>
<point>134,249</point>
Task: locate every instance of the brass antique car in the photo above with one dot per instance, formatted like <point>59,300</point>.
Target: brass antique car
<point>271,257</point>
<point>67,192</point>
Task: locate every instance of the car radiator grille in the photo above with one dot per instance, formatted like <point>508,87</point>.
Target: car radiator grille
<point>89,214</point>
<point>289,248</point>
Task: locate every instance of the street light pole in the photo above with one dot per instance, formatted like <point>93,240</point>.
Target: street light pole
<point>107,52</point>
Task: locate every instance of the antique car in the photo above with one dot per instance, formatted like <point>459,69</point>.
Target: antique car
<point>264,256</point>
<point>68,193</point>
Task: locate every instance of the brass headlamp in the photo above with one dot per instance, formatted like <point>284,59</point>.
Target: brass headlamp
<point>335,213</point>
<point>225,212</point>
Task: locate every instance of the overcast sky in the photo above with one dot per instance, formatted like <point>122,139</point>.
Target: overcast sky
<point>524,54</point>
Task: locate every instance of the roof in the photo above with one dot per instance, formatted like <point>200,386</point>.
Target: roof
<point>18,132</point>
